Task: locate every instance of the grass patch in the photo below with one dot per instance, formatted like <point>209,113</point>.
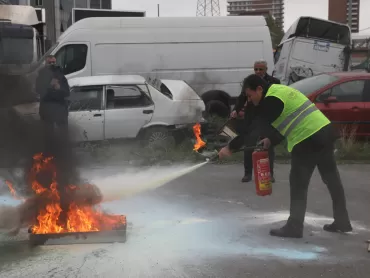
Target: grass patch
<point>348,150</point>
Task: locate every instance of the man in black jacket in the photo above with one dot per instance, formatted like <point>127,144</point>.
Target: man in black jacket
<point>246,110</point>
<point>53,88</point>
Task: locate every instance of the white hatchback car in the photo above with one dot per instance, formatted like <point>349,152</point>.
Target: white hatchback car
<point>127,107</point>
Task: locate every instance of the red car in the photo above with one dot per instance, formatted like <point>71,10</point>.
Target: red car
<point>344,97</point>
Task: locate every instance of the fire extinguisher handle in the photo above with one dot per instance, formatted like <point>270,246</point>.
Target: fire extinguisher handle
<point>259,145</point>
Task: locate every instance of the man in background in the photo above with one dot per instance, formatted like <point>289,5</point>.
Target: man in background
<point>53,88</point>
<point>246,110</point>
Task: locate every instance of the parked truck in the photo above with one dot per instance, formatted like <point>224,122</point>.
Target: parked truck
<point>20,43</point>
<point>80,13</point>
<point>20,47</point>
<point>312,46</point>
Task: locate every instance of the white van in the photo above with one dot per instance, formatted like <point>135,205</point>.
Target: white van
<point>211,54</point>
<point>312,46</point>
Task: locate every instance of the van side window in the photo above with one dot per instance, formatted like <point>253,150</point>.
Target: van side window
<point>126,97</point>
<point>86,98</point>
<point>72,58</point>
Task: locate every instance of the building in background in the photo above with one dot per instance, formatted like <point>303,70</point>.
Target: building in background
<point>339,12</point>
<point>15,2</point>
<point>58,13</point>
<point>100,4</point>
<point>258,7</point>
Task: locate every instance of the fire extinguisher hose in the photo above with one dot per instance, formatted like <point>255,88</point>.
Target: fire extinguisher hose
<point>213,155</point>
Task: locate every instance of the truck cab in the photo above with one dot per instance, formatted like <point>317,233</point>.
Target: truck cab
<point>312,46</point>
<point>20,43</point>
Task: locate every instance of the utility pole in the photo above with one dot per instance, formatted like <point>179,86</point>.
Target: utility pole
<point>350,14</point>
<point>158,9</point>
<point>208,8</point>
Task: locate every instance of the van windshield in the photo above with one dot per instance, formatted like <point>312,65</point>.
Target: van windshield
<point>309,85</point>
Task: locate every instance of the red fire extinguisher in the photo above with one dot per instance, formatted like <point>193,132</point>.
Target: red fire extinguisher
<point>262,172</point>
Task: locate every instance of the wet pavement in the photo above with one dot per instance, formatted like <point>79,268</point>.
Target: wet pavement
<point>208,224</point>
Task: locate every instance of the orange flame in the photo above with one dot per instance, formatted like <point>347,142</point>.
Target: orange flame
<point>79,218</point>
<point>199,142</point>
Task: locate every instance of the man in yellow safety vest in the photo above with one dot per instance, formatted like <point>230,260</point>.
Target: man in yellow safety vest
<point>310,138</point>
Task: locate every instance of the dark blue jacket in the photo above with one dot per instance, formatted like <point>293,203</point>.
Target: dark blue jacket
<point>53,102</point>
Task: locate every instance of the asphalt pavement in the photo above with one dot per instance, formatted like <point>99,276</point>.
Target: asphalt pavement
<point>209,224</point>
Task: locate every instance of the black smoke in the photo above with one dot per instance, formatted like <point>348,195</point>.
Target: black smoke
<point>24,136</point>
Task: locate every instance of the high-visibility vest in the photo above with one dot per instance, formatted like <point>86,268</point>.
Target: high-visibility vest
<point>300,117</point>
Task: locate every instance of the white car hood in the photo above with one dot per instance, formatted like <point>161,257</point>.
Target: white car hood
<point>180,90</point>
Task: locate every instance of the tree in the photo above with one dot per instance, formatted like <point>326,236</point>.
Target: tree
<point>276,31</point>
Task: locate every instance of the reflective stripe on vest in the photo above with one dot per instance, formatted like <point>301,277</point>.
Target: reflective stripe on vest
<point>296,117</point>
<point>299,119</point>
<point>291,117</point>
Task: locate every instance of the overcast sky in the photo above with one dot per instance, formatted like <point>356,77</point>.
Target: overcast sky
<point>293,9</point>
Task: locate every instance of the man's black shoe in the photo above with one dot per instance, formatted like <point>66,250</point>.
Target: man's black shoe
<point>247,178</point>
<point>287,231</point>
<point>336,228</point>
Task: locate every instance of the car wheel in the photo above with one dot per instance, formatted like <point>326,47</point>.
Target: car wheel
<point>159,139</point>
<point>217,108</point>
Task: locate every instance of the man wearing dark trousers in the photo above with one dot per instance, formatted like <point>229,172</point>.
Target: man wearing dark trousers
<point>53,88</point>
<point>310,139</point>
<point>245,109</point>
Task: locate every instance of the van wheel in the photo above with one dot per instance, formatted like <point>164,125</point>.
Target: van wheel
<point>217,108</point>
<point>159,139</point>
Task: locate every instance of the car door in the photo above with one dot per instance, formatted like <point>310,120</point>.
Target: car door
<point>343,105</point>
<point>127,109</point>
<point>86,116</point>
<point>366,114</point>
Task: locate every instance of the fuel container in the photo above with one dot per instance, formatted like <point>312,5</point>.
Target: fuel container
<point>262,173</point>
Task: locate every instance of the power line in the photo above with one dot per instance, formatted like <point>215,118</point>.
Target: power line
<point>367,28</point>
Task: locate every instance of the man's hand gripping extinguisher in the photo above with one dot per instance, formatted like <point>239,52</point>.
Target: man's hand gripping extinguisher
<point>261,166</point>
<point>262,171</point>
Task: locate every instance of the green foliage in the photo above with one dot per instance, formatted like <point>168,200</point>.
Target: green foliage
<point>276,32</point>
